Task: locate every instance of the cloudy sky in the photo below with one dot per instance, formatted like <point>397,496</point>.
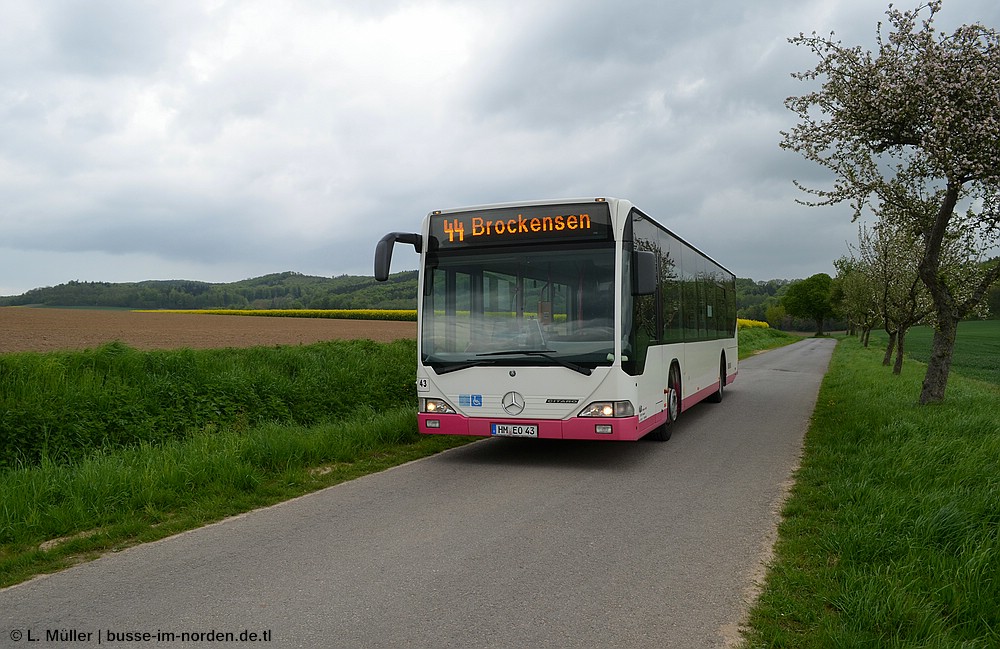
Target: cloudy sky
<point>218,140</point>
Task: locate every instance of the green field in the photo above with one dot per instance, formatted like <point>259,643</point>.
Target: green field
<point>62,406</point>
<point>977,348</point>
<point>891,535</point>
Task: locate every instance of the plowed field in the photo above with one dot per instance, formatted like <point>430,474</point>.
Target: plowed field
<point>30,329</point>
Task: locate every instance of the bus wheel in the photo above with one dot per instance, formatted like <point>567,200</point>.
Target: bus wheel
<point>716,397</point>
<point>673,394</point>
<point>673,406</point>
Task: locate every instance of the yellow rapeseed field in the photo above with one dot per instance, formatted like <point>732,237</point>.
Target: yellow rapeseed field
<point>742,323</point>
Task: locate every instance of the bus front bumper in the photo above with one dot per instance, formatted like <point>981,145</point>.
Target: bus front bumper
<point>587,428</point>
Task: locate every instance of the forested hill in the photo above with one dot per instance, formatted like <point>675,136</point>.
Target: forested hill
<point>286,290</point>
<point>290,290</point>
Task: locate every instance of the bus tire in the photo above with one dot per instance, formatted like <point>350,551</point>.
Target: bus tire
<point>673,406</point>
<point>661,433</point>
<point>716,397</point>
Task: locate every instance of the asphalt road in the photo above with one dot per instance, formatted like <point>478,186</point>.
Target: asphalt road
<point>502,543</point>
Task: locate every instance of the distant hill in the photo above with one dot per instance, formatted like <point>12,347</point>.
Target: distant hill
<point>291,290</point>
<point>288,290</point>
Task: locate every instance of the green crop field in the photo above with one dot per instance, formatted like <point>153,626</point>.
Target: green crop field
<point>977,348</point>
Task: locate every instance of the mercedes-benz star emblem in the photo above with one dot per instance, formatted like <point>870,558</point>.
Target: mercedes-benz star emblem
<point>513,403</point>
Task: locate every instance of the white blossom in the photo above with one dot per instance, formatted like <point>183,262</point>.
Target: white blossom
<point>911,131</point>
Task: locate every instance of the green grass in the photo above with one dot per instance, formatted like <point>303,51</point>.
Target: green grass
<point>753,340</point>
<point>121,497</point>
<point>62,406</point>
<point>891,535</point>
<point>977,348</point>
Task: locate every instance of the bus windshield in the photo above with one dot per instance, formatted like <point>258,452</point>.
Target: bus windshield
<point>529,305</point>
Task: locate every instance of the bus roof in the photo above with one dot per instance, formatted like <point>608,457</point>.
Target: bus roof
<point>551,201</point>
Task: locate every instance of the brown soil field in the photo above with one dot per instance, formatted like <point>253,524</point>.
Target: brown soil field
<point>35,329</point>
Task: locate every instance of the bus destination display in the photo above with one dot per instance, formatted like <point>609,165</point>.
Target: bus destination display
<point>543,223</point>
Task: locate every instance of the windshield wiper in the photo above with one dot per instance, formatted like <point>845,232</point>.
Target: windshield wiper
<point>546,354</point>
<point>461,366</point>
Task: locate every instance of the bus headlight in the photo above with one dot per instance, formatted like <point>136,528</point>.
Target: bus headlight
<point>608,409</point>
<point>436,406</point>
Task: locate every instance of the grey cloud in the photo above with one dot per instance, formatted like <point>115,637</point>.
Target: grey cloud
<point>106,37</point>
<point>239,138</point>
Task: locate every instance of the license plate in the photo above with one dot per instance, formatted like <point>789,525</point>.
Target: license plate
<point>514,430</point>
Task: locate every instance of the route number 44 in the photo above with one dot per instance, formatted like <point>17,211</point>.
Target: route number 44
<point>454,227</point>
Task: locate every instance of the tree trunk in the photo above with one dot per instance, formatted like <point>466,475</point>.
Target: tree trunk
<point>900,339</point>
<point>888,350</point>
<point>942,347</point>
<point>939,365</point>
<point>819,326</point>
<point>866,334</point>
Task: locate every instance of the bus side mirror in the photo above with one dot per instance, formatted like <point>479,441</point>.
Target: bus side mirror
<point>645,273</point>
<point>383,251</point>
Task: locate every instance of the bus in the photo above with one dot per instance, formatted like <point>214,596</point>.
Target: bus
<point>575,319</point>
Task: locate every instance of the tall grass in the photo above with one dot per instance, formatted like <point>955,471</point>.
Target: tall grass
<point>59,407</point>
<point>891,536</point>
<point>107,487</point>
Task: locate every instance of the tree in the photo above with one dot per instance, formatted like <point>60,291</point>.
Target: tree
<point>810,298</point>
<point>993,299</point>
<point>914,126</point>
<point>891,256</point>
<point>776,317</point>
<point>856,295</point>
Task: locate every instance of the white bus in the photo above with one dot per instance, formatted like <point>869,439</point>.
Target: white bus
<point>568,319</point>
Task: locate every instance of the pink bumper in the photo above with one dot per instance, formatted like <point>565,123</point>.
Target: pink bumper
<point>623,429</point>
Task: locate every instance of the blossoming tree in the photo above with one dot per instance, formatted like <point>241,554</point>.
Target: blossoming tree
<point>912,124</point>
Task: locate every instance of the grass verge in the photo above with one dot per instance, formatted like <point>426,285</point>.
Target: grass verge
<point>54,516</point>
<point>753,340</point>
<point>891,534</point>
